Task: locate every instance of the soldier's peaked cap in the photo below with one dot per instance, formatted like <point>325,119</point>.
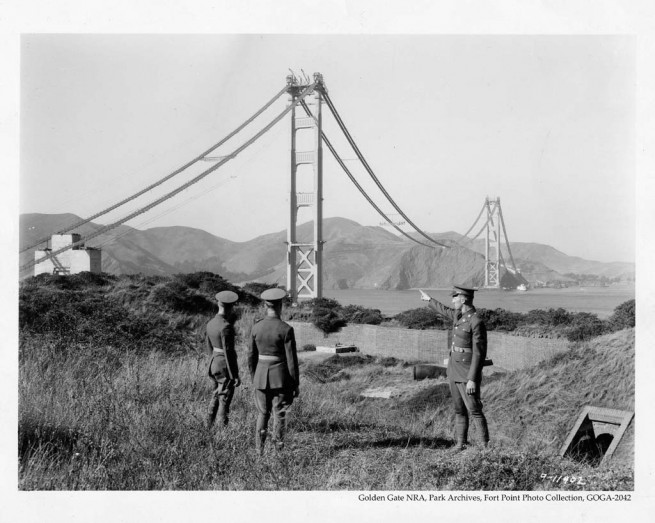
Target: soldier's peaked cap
<point>227,297</point>
<point>273,294</point>
<point>467,293</point>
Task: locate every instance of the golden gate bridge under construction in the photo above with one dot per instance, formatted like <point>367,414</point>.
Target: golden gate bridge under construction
<point>304,259</point>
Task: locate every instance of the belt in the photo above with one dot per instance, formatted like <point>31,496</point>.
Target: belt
<point>264,357</point>
<point>461,349</point>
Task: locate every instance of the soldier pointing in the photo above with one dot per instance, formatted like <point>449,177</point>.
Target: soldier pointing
<point>467,356</point>
<point>273,365</point>
<point>223,367</point>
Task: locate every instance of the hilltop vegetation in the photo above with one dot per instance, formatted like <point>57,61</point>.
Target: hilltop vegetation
<point>113,392</point>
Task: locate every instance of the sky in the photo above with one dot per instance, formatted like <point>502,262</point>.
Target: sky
<point>545,123</point>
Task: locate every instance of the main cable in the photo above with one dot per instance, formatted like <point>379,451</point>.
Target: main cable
<point>167,177</point>
<point>371,173</point>
<point>476,220</point>
<point>502,222</point>
<point>227,158</point>
<point>352,179</point>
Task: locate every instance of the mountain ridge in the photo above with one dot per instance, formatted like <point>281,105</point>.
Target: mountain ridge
<point>355,256</point>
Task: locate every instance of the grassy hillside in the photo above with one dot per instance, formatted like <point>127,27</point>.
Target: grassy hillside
<point>112,400</point>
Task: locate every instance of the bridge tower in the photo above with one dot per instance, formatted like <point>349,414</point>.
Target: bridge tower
<point>305,258</point>
<point>492,244</point>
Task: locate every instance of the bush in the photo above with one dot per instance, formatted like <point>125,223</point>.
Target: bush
<point>552,317</point>
<point>78,281</point>
<point>361,315</point>
<point>70,311</point>
<point>325,315</point>
<point>584,326</point>
<point>422,318</point>
<point>174,296</point>
<point>500,319</point>
<point>256,288</point>
<point>209,284</point>
<point>623,316</point>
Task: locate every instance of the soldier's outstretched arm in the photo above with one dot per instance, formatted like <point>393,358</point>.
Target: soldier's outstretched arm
<point>440,308</point>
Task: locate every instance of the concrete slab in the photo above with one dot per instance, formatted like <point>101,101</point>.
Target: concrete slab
<point>339,349</point>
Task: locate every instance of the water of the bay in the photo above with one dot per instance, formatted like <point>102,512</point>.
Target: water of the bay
<point>597,300</point>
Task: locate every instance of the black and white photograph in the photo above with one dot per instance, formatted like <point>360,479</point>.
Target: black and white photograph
<point>333,265</point>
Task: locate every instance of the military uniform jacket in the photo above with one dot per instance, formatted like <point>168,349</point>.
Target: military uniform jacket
<point>469,332</point>
<point>275,340</point>
<point>220,343</point>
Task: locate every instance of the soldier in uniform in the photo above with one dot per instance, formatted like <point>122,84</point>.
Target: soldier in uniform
<point>223,367</point>
<point>273,363</point>
<point>468,352</point>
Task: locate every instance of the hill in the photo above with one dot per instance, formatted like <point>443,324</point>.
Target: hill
<point>125,383</point>
<point>355,256</point>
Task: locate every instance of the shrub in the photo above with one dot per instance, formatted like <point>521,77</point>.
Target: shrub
<point>174,296</point>
<point>421,318</point>
<point>584,326</point>
<point>623,316</point>
<point>325,314</point>
<point>68,318</point>
<point>500,319</point>
<point>361,315</point>
<point>548,317</point>
<point>327,320</point>
<point>209,284</point>
<point>256,288</point>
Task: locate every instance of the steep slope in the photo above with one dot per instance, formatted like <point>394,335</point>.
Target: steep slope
<point>541,404</point>
<point>425,267</point>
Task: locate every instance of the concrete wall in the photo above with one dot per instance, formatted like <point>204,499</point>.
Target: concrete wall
<point>430,346</point>
<point>73,261</point>
<point>85,260</point>
<point>59,241</point>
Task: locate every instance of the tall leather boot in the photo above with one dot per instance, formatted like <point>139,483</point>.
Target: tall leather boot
<point>213,409</point>
<point>260,434</point>
<point>279,425</point>
<point>223,410</point>
<point>461,431</point>
<point>482,430</point>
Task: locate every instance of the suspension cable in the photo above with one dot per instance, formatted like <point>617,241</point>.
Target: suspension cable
<point>502,222</point>
<point>227,158</point>
<point>476,220</point>
<point>361,190</point>
<point>370,171</point>
<point>469,240</point>
<point>169,176</point>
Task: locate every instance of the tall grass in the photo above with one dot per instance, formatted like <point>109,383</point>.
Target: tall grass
<point>113,392</point>
<point>135,422</point>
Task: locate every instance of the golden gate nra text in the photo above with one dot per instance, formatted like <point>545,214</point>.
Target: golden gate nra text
<point>492,497</point>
